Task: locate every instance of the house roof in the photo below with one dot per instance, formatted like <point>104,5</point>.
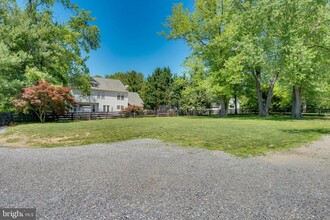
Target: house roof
<point>108,85</point>
<point>134,99</point>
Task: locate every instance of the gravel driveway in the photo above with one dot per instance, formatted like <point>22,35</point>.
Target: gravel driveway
<point>150,179</point>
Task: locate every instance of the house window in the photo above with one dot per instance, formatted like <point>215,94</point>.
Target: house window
<point>118,107</point>
<point>100,95</point>
<point>104,106</point>
<point>108,108</point>
<point>120,96</point>
<point>122,107</point>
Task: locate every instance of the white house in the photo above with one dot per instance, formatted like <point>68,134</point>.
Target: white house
<point>107,95</point>
<point>215,108</point>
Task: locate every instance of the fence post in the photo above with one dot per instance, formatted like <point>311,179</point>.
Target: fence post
<point>11,117</point>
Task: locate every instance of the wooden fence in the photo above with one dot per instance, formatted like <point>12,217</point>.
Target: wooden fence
<point>11,117</point>
<point>8,118</point>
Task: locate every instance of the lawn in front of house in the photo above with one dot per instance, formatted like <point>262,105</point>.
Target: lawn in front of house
<point>241,136</point>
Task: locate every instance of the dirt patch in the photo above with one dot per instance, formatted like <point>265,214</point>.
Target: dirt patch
<point>315,152</point>
<point>59,140</point>
<point>15,140</point>
<point>20,140</point>
<point>24,141</point>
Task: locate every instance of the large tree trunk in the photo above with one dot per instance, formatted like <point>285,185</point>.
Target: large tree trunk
<point>235,104</point>
<point>270,95</point>
<point>259,92</point>
<point>223,108</point>
<point>296,102</point>
<point>264,109</point>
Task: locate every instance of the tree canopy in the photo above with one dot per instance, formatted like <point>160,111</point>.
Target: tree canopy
<point>156,91</point>
<point>45,98</point>
<point>268,41</point>
<point>34,46</point>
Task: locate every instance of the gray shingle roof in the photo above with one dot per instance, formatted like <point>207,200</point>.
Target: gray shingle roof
<point>134,99</point>
<point>108,85</point>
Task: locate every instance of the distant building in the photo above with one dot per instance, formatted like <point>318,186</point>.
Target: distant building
<point>215,108</point>
<point>107,95</point>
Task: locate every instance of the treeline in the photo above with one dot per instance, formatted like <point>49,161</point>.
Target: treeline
<point>191,92</point>
<point>269,53</point>
<point>272,55</point>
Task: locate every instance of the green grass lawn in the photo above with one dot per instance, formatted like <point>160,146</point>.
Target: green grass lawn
<point>241,136</point>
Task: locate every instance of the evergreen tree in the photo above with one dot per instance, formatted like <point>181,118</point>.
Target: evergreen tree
<point>157,89</point>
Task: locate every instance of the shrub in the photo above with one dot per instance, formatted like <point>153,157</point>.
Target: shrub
<point>132,110</point>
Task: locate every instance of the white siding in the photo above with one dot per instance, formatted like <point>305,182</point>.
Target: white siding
<point>100,99</point>
<point>110,99</point>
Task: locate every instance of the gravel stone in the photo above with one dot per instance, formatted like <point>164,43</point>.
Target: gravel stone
<point>2,130</point>
<point>150,179</point>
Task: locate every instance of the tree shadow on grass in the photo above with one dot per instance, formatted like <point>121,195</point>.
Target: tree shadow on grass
<point>44,123</point>
<point>324,131</point>
<point>261,118</point>
<point>280,118</point>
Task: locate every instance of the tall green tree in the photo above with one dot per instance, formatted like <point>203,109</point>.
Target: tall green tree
<point>306,43</point>
<point>258,48</point>
<point>196,94</point>
<point>287,41</point>
<point>156,91</point>
<point>232,38</point>
<point>210,35</point>
<point>270,41</point>
<point>132,79</point>
<point>178,85</point>
<point>34,46</point>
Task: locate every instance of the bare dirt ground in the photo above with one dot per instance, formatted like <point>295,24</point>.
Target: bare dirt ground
<point>312,153</point>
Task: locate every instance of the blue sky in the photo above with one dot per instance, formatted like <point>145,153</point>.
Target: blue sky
<point>129,39</point>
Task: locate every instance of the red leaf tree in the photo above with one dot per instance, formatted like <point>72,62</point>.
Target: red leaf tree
<point>43,98</point>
